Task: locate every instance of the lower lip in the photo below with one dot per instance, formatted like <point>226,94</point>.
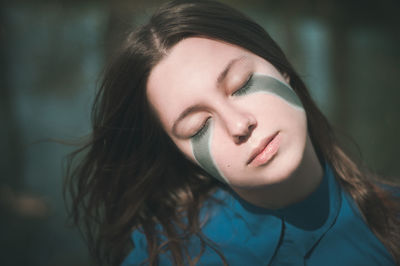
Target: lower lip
<point>269,151</point>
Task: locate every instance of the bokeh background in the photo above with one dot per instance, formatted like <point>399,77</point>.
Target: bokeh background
<point>51,56</point>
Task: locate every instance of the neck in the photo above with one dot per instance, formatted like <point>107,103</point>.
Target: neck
<point>301,183</point>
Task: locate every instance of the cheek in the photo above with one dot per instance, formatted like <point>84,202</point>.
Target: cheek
<point>228,157</point>
<point>202,149</point>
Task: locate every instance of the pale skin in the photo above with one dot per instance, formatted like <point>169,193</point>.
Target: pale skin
<point>196,84</point>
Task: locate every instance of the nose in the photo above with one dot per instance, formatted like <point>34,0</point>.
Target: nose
<point>239,125</point>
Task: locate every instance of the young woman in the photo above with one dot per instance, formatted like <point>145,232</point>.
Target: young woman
<point>207,149</point>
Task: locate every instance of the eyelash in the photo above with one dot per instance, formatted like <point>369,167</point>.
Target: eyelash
<point>245,87</point>
<point>200,133</point>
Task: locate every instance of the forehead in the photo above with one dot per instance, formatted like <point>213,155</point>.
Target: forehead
<point>195,53</point>
<point>192,61</point>
<point>189,70</point>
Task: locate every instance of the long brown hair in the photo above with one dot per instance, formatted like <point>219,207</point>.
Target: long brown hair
<point>130,175</point>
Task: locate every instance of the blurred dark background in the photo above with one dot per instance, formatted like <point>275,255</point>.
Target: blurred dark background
<point>51,55</point>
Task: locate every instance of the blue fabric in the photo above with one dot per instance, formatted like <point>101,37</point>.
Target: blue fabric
<point>324,229</point>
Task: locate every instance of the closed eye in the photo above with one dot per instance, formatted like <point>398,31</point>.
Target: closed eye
<point>202,131</point>
<point>245,87</point>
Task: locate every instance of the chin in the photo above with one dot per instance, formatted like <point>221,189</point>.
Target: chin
<point>283,166</point>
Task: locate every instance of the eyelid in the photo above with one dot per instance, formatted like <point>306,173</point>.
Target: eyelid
<point>245,85</point>
<point>202,128</point>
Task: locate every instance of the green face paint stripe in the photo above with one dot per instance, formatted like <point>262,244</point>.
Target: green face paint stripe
<point>201,143</point>
<point>201,147</point>
<point>263,83</point>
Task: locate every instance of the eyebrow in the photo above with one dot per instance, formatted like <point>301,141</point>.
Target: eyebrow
<point>197,107</point>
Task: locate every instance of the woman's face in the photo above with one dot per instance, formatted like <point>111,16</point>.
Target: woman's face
<point>230,111</point>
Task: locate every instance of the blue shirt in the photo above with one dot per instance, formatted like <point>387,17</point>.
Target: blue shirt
<point>324,229</point>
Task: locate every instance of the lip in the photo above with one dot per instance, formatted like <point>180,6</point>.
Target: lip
<point>265,150</point>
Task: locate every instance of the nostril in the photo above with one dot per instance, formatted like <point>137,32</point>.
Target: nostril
<point>241,139</point>
<point>251,127</point>
<point>245,134</point>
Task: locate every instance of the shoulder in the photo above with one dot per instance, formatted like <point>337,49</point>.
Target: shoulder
<point>225,227</point>
<point>213,214</point>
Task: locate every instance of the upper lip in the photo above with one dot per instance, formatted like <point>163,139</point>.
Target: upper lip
<point>261,147</point>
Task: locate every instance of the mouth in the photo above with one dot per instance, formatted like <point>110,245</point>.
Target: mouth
<point>265,150</point>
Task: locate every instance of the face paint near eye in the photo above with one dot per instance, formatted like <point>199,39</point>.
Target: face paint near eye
<point>201,147</point>
<point>260,83</point>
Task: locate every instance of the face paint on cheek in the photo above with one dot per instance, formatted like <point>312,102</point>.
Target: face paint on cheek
<point>201,147</point>
<point>260,83</point>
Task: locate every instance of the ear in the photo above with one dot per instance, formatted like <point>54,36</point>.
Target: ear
<point>286,77</point>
